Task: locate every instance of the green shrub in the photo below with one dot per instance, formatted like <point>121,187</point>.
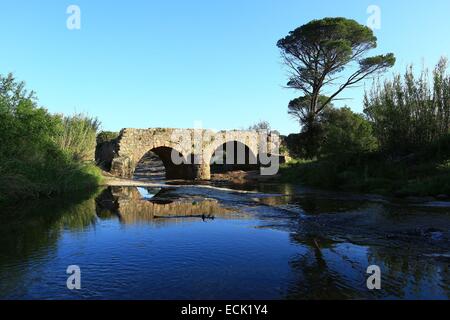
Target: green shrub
<point>41,154</point>
<point>346,133</point>
<point>77,136</point>
<point>409,112</point>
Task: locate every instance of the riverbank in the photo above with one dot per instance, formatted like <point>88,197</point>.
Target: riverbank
<point>42,154</point>
<point>49,183</point>
<point>404,178</point>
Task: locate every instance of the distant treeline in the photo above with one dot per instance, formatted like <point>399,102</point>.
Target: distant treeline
<point>42,154</point>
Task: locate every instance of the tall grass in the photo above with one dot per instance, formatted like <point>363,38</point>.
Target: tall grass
<point>78,136</point>
<point>42,154</point>
<point>410,112</point>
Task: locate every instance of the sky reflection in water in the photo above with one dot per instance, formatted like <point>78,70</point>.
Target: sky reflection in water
<point>200,244</point>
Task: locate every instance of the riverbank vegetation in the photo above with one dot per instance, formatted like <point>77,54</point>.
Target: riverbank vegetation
<point>42,154</point>
<point>399,146</point>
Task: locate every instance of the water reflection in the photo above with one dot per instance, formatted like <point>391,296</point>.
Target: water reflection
<point>155,244</point>
<point>31,233</point>
<point>330,270</point>
<point>343,237</point>
<point>313,204</point>
<point>132,205</point>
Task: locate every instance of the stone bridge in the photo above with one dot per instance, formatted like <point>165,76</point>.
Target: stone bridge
<point>196,150</point>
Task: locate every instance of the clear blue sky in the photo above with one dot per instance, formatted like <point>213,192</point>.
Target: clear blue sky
<point>170,63</point>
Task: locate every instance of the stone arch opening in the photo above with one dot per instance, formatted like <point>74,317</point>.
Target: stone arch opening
<point>233,156</point>
<point>157,164</point>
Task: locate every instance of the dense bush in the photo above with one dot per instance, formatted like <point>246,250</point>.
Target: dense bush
<point>40,153</point>
<point>346,133</point>
<point>402,148</point>
<point>295,144</point>
<point>372,173</point>
<point>409,114</point>
<point>340,132</point>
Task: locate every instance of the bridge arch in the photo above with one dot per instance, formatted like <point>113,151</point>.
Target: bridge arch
<point>247,138</point>
<point>233,155</point>
<point>157,164</point>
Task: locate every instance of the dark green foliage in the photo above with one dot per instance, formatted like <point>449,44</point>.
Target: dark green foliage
<point>340,132</point>
<point>33,162</point>
<point>300,109</point>
<point>410,113</point>
<point>346,133</point>
<point>295,145</point>
<point>372,173</point>
<point>315,55</point>
<point>106,136</point>
<point>311,135</point>
<point>403,150</point>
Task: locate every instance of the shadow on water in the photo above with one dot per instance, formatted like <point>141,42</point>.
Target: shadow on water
<point>279,242</point>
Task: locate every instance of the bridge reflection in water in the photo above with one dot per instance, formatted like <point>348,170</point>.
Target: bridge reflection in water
<point>133,205</point>
<point>135,244</point>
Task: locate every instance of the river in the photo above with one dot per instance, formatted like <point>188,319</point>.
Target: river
<point>271,241</point>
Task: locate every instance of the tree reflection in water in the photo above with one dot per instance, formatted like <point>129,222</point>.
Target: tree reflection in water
<point>330,242</point>
<point>30,232</point>
<point>340,247</point>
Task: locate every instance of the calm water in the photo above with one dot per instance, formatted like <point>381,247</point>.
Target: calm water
<point>275,242</point>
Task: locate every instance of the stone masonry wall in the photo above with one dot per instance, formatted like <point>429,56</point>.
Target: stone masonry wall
<point>133,144</point>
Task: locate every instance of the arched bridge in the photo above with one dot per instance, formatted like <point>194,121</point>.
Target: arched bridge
<point>190,153</point>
